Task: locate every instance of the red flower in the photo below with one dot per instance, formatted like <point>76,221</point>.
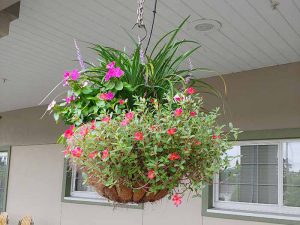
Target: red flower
<point>93,125</point>
<point>172,131</point>
<point>77,152</point>
<point>214,137</point>
<point>84,131</point>
<point>105,154</point>
<point>106,119</point>
<point>139,136</point>
<point>129,115</point>
<point>177,199</point>
<point>191,91</point>
<point>121,102</point>
<point>92,155</point>
<point>197,142</point>
<point>151,174</point>
<point>178,112</point>
<point>174,156</point>
<point>69,132</point>
<point>152,100</point>
<point>193,113</point>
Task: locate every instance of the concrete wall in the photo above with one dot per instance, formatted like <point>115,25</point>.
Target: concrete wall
<point>262,99</point>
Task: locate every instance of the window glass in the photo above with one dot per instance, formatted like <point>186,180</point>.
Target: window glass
<point>3,179</point>
<point>252,176</point>
<point>79,184</point>
<point>291,174</point>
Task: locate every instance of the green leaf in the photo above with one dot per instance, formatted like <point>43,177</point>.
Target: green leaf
<point>56,117</point>
<point>110,85</point>
<point>119,85</point>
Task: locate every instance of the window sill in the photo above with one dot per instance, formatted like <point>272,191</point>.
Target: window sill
<point>89,201</point>
<point>253,216</point>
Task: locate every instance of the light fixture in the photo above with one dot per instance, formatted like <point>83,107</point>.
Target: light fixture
<point>206,25</point>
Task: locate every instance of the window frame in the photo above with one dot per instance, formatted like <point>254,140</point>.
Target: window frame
<point>278,208</point>
<point>83,194</point>
<point>7,149</point>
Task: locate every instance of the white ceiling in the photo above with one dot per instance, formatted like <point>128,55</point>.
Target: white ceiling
<point>40,44</point>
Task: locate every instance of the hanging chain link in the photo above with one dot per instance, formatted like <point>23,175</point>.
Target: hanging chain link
<point>140,19</point>
<point>140,13</point>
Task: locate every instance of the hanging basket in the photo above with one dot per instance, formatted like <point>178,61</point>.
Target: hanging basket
<point>122,194</point>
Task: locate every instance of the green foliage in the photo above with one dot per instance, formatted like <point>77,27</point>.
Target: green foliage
<point>198,141</point>
<point>147,76</point>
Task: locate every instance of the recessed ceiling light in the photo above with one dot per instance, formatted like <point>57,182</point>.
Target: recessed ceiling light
<point>206,25</point>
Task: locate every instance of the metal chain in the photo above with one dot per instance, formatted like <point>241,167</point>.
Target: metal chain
<point>140,20</point>
<point>140,13</point>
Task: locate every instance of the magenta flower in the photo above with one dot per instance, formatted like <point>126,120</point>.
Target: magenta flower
<point>75,74</point>
<point>66,78</point>
<point>111,65</point>
<point>112,71</point>
<point>70,99</point>
<point>118,72</point>
<point>110,95</point>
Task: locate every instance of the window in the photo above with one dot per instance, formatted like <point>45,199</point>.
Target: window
<point>4,170</point>
<point>264,176</point>
<point>75,190</point>
<point>79,189</point>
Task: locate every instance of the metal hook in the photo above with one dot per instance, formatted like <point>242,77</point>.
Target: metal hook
<point>143,27</point>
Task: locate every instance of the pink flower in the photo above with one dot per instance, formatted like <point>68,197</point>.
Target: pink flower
<point>151,174</point>
<point>69,132</point>
<point>110,95</point>
<point>77,152</point>
<point>177,98</point>
<point>51,105</point>
<point>106,119</point>
<point>125,122</point>
<point>66,152</point>
<point>178,112</point>
<point>93,125</point>
<point>172,131</point>
<point>103,96</point>
<point>177,199</point>
<point>111,65</point>
<point>174,156</point>
<point>121,102</point>
<point>105,154</point>
<point>84,131</point>
<point>129,115</point>
<point>193,113</point>
<point>75,75</point>
<point>191,91</point>
<point>93,154</point>
<point>139,136</point>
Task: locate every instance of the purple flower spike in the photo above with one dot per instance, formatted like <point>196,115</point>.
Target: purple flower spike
<point>79,56</point>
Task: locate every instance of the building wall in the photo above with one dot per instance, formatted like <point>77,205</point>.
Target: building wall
<point>261,99</point>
